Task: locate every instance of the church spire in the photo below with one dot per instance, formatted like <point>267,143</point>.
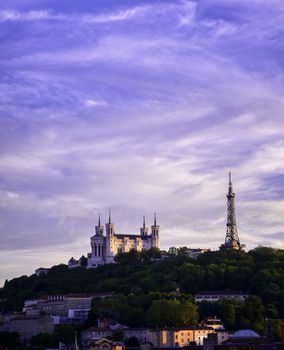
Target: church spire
<point>144,229</point>
<point>109,217</point>
<point>155,232</point>
<point>99,228</point>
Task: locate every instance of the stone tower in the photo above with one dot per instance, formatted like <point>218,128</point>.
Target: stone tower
<point>155,233</point>
<point>144,229</point>
<point>97,256</point>
<point>110,241</point>
<point>99,228</point>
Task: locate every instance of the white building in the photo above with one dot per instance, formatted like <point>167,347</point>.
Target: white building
<point>213,296</point>
<point>105,248</point>
<point>71,308</point>
<point>41,271</point>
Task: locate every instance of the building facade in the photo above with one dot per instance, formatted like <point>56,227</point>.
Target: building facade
<point>29,326</point>
<point>213,296</point>
<point>106,247</point>
<point>62,308</point>
<point>159,338</point>
<point>179,337</point>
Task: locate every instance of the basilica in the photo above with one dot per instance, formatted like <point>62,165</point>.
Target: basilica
<point>106,247</point>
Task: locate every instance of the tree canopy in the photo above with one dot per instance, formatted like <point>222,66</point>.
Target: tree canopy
<point>151,291</point>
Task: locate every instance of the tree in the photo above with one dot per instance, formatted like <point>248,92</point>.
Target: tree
<point>9,339</point>
<point>65,334</point>
<point>132,342</point>
<point>43,340</point>
<point>226,310</point>
<point>172,313</point>
<point>83,261</point>
<point>117,335</point>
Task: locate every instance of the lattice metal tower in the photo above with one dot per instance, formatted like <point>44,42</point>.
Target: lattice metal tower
<point>232,239</point>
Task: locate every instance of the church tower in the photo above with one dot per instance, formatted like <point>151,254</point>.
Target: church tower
<point>97,256</point>
<point>232,239</point>
<point>155,233</point>
<point>110,240</point>
<point>144,230</point>
<point>99,228</point>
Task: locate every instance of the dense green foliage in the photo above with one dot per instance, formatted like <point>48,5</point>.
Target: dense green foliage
<point>151,309</point>
<point>158,292</point>
<point>62,333</point>
<point>9,339</point>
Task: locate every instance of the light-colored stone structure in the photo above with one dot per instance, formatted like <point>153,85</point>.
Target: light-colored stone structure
<point>29,326</point>
<point>105,248</point>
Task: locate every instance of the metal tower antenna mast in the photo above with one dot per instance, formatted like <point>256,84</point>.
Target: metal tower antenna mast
<point>232,239</point>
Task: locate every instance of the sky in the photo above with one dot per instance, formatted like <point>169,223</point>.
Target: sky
<point>138,107</point>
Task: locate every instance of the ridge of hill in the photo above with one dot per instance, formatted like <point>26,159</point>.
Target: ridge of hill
<point>142,284</point>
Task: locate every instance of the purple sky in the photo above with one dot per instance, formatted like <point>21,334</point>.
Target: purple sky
<point>138,106</point>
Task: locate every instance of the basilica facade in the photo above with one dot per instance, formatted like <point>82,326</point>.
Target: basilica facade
<point>106,247</point>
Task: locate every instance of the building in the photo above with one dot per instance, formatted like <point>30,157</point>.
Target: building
<point>213,296</point>
<point>245,336</point>
<point>193,253</point>
<point>104,344</point>
<point>5,320</point>
<point>243,342</point>
<point>72,308</point>
<point>213,322</point>
<point>159,338</point>
<point>29,326</point>
<point>106,247</point>
<point>179,337</point>
<point>107,327</point>
<point>141,334</point>
<point>73,263</point>
<point>41,271</point>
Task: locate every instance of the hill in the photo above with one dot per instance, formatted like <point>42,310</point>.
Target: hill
<point>144,286</point>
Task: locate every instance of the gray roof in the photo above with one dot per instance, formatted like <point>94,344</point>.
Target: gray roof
<point>220,292</point>
<point>245,333</point>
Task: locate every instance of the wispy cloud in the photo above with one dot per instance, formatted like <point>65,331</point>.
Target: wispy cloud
<point>13,15</point>
<point>140,108</point>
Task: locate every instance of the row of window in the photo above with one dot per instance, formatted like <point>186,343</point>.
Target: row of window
<point>188,333</point>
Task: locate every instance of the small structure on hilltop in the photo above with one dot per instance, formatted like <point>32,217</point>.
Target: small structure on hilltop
<point>213,296</point>
<point>232,241</point>
<point>213,322</point>
<point>104,344</point>
<point>42,271</point>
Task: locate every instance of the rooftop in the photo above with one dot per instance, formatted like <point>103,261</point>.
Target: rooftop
<point>245,333</point>
<point>222,292</point>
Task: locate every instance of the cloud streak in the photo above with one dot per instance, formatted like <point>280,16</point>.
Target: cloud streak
<point>139,109</point>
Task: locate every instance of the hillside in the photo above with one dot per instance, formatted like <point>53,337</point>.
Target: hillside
<point>144,286</point>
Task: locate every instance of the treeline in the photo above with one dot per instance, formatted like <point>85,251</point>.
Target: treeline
<point>62,333</point>
<point>146,285</point>
<point>179,310</point>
